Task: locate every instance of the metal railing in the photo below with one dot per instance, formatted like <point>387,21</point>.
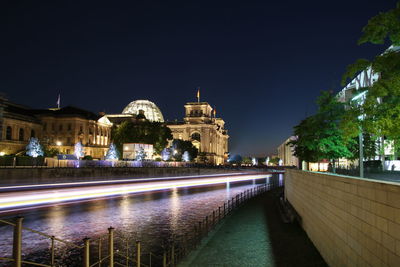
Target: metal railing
<point>105,251</point>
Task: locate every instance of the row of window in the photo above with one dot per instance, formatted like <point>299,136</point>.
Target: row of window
<point>69,128</point>
<point>21,134</point>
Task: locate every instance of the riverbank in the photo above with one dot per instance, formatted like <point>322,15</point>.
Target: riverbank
<point>256,236</point>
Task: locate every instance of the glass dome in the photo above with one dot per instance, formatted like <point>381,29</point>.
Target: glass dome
<point>151,111</point>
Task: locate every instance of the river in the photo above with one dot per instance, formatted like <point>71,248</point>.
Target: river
<point>150,217</point>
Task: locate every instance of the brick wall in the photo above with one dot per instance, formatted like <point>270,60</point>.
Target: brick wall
<point>352,222</point>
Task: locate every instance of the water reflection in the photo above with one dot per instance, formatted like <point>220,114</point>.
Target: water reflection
<point>150,217</point>
<point>174,210</point>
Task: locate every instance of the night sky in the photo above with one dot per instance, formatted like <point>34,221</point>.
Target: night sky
<point>261,64</point>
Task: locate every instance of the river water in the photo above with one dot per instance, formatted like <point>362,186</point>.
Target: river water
<point>151,217</point>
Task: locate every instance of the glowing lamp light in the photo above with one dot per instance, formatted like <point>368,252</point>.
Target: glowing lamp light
<point>2,153</point>
<point>58,143</point>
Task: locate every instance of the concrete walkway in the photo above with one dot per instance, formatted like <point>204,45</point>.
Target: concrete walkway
<point>254,235</point>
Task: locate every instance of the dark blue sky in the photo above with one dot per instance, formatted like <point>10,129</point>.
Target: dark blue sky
<point>261,64</point>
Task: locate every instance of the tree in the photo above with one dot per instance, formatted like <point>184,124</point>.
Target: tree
<point>384,26</point>
<point>145,132</point>
<point>112,152</point>
<point>203,157</point>
<point>34,149</point>
<point>319,136</point>
<point>78,151</point>
<point>186,156</point>
<point>274,161</point>
<point>180,146</point>
<point>246,161</point>
<point>332,144</point>
<point>369,146</point>
<point>140,154</point>
<point>381,108</point>
<point>166,154</point>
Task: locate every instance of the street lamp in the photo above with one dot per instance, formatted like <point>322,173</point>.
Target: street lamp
<point>360,99</point>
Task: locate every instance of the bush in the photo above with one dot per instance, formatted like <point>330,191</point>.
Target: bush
<point>29,161</point>
<point>7,160</point>
<point>87,157</point>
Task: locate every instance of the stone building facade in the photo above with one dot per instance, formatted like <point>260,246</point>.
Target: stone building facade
<point>63,128</point>
<point>17,125</point>
<point>56,128</point>
<point>286,153</point>
<point>204,130</point>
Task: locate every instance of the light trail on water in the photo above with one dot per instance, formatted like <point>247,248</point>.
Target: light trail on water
<point>13,200</point>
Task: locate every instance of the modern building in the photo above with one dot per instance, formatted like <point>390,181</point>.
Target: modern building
<point>350,92</point>
<point>131,151</point>
<point>286,153</point>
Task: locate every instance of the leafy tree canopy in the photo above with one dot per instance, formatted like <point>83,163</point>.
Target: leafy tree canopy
<point>180,146</point>
<point>381,108</point>
<point>319,136</point>
<point>146,132</point>
<point>384,26</point>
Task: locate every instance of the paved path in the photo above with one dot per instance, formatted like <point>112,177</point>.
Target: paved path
<point>254,235</point>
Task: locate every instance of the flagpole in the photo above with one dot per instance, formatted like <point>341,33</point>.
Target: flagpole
<point>58,101</point>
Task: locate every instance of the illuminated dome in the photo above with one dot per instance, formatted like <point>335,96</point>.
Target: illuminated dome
<point>151,111</point>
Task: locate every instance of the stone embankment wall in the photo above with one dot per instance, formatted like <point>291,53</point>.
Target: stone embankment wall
<point>352,222</point>
<point>55,175</point>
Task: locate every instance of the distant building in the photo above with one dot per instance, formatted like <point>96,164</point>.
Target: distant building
<point>64,127</point>
<point>200,126</point>
<point>55,128</point>
<point>17,125</point>
<point>131,151</point>
<point>204,130</point>
<point>286,153</point>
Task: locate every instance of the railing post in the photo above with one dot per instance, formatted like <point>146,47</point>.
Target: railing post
<point>224,209</point>
<point>213,223</point>
<point>150,259</point>
<point>138,253</point>
<point>17,242</point>
<point>52,250</point>
<point>173,255</point>
<point>86,252</point>
<point>232,201</point>
<point>111,246</point>
<point>165,259</point>
<point>200,233</point>
<point>219,213</point>
<point>207,225</point>
<point>99,252</point>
